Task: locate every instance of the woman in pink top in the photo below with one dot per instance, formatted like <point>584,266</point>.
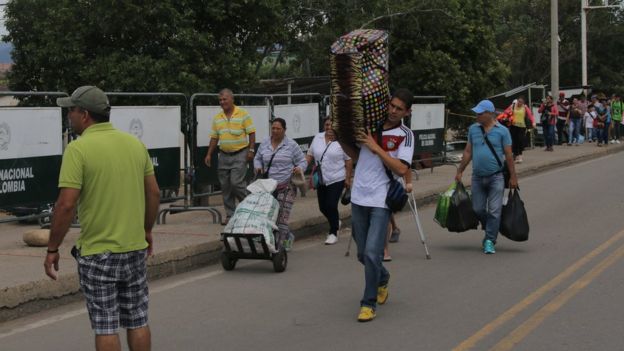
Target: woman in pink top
<point>548,119</point>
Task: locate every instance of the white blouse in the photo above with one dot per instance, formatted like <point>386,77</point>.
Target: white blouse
<point>333,165</point>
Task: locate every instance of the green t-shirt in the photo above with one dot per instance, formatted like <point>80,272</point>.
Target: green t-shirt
<point>109,168</point>
<point>616,110</point>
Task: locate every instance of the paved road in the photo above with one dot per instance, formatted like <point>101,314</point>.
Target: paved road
<point>561,290</point>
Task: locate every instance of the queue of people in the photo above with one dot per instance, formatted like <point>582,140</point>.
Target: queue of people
<point>598,120</point>
<point>603,120</point>
<point>565,122</point>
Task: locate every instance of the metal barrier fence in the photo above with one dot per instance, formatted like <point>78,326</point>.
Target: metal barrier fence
<point>30,158</point>
<point>160,129</point>
<point>302,120</point>
<point>177,138</point>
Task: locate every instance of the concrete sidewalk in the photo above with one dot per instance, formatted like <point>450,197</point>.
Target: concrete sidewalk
<point>190,239</point>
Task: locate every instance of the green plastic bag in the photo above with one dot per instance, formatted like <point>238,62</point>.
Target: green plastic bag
<point>444,200</point>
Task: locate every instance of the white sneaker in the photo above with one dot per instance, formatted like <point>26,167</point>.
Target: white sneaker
<point>331,239</point>
<point>617,141</point>
<point>612,142</point>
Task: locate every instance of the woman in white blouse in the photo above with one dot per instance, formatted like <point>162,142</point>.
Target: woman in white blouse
<point>336,170</point>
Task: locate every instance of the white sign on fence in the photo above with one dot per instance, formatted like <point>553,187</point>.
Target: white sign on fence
<point>302,120</point>
<point>30,132</point>
<point>427,116</point>
<point>158,127</point>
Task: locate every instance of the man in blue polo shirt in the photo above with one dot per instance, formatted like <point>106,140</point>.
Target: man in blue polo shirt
<point>488,183</point>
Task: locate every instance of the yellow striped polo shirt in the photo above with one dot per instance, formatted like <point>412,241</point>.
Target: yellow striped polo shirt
<point>232,133</point>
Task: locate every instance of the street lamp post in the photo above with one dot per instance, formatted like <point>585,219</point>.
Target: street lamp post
<point>584,9</point>
<point>554,48</point>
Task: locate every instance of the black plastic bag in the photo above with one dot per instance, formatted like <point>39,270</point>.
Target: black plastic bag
<point>461,216</point>
<point>514,221</point>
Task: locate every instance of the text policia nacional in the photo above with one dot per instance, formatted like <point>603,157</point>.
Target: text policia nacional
<point>12,179</point>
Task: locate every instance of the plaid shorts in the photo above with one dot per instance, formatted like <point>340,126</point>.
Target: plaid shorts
<point>115,287</point>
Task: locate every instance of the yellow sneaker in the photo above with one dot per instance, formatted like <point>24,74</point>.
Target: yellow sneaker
<point>382,294</point>
<point>367,314</point>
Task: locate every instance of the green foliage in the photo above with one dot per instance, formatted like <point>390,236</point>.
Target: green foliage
<point>462,49</point>
<point>437,47</point>
<point>523,34</point>
<point>121,45</point>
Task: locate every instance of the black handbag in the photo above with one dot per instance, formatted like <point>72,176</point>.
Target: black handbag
<point>396,197</point>
<point>514,223</point>
<point>316,177</point>
<point>502,166</point>
<point>545,117</point>
<point>346,197</point>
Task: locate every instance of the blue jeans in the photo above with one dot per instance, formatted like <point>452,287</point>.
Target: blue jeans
<point>370,226</point>
<point>589,132</point>
<point>575,127</point>
<point>602,134</point>
<point>598,134</point>
<point>549,135</point>
<point>487,202</point>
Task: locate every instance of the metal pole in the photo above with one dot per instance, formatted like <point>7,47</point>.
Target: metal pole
<point>584,45</point>
<point>289,92</point>
<point>584,10</point>
<point>554,48</point>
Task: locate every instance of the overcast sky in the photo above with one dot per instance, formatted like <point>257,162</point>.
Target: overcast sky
<point>2,29</point>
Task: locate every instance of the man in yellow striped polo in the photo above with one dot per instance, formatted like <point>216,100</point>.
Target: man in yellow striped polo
<point>234,132</point>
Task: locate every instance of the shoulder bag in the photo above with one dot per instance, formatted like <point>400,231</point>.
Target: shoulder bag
<point>396,197</point>
<point>316,178</point>
<point>265,174</point>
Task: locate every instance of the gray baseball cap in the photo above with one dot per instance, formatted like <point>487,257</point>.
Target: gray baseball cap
<point>88,97</point>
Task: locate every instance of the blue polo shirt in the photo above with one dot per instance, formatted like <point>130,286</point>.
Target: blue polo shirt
<point>483,162</point>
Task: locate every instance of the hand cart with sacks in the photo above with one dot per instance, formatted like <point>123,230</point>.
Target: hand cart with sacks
<point>251,232</point>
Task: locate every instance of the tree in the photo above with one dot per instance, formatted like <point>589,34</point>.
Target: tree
<point>121,45</point>
<point>436,47</point>
<point>523,34</point>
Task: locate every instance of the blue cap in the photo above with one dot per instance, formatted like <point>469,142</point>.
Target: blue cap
<point>483,106</point>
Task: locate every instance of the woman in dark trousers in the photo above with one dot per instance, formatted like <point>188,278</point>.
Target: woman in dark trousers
<point>336,169</point>
<point>563,108</point>
<point>548,119</point>
<point>520,118</point>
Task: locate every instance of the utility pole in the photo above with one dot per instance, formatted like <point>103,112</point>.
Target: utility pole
<point>554,48</point>
<point>584,45</point>
<point>584,10</point>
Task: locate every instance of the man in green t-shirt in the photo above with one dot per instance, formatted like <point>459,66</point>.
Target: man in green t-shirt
<point>111,173</point>
<point>617,107</point>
